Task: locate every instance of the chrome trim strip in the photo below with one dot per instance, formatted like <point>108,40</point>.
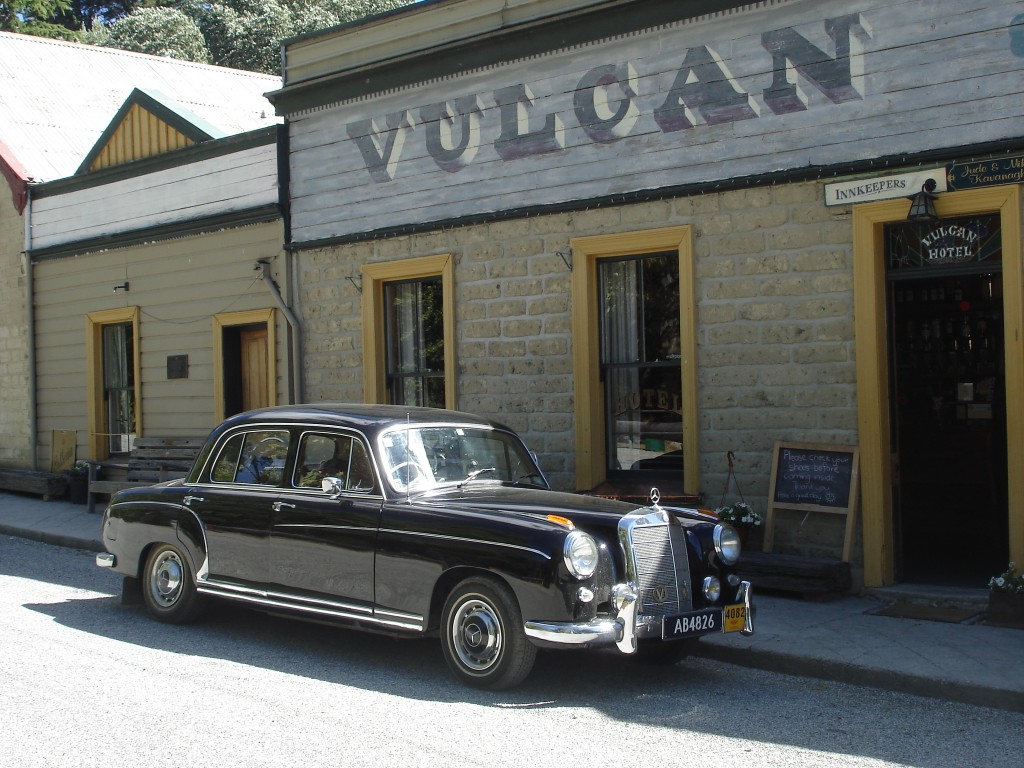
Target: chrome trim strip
<point>314,607</point>
<point>106,560</point>
<point>598,631</point>
<point>363,610</point>
<point>325,526</point>
<point>442,537</point>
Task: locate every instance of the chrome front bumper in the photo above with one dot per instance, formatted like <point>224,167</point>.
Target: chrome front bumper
<point>624,629</point>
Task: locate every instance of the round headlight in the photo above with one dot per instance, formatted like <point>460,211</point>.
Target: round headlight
<point>581,554</point>
<point>727,544</point>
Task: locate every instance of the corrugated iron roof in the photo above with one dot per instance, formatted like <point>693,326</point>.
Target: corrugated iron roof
<point>57,98</point>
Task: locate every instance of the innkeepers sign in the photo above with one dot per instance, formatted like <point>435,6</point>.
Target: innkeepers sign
<point>609,103</point>
<point>883,187</point>
<point>959,175</point>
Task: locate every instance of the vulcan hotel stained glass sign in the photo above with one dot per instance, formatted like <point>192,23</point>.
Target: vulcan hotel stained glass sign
<point>971,242</point>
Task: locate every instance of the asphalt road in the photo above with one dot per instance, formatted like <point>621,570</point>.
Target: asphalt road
<point>85,681</point>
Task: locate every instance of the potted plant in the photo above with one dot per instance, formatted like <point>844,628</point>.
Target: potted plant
<point>78,482</point>
<point>1006,599</point>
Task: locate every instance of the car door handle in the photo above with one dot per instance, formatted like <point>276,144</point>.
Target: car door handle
<point>279,505</point>
<point>187,501</point>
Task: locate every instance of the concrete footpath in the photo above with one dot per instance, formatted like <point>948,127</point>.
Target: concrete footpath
<point>841,639</point>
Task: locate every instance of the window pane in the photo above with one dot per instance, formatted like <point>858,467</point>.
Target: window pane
<point>415,342</point>
<point>640,363</point>
<point>254,458</point>
<point>119,385</point>
<point>336,456</point>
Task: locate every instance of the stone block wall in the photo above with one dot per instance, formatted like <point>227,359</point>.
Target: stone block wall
<point>775,323</point>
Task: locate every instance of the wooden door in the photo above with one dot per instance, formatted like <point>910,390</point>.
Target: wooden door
<point>254,368</point>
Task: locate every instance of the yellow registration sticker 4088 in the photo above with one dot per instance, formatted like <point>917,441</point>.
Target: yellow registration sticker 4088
<point>735,618</point>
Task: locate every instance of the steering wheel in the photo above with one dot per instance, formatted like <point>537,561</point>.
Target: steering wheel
<point>419,473</point>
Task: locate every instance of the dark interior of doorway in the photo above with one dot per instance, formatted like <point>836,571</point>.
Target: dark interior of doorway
<point>235,368</point>
<point>949,429</point>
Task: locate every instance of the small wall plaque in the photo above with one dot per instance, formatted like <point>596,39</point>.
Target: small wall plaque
<point>177,366</point>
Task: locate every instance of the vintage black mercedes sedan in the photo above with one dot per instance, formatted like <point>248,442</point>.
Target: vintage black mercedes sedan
<point>416,521</point>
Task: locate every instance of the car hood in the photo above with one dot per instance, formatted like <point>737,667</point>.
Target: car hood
<point>582,510</point>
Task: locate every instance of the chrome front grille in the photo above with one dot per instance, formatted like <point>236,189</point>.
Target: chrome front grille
<point>656,562</point>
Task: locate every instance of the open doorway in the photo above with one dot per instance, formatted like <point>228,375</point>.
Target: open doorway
<point>245,371</point>
<point>245,368</point>
<point>948,400</point>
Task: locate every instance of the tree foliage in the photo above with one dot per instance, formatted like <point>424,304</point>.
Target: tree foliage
<point>24,15</point>
<point>243,34</point>
<point>158,31</point>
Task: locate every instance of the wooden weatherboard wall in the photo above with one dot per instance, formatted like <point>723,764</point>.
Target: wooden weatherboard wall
<point>187,186</point>
<point>755,91</point>
<point>814,478</point>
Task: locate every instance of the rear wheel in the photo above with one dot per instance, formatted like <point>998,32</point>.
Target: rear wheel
<point>482,635</point>
<point>168,588</point>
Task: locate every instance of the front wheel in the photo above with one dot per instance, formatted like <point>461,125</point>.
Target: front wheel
<point>482,635</point>
<point>168,589</point>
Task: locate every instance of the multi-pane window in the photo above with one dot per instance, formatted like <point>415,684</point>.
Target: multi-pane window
<point>639,336</point>
<point>119,386</point>
<point>414,332</point>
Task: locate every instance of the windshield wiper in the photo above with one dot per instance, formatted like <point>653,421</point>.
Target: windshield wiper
<point>476,473</point>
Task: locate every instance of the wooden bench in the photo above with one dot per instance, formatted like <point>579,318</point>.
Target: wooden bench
<point>152,460</point>
<point>804,576</point>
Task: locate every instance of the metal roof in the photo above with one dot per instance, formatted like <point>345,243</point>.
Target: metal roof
<point>57,98</point>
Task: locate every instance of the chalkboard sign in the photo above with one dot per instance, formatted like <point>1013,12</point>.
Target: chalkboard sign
<point>813,478</point>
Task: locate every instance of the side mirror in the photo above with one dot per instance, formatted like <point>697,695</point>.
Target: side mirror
<point>332,486</point>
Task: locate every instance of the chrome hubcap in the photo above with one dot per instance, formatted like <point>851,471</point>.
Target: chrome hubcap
<point>165,579</point>
<point>476,635</point>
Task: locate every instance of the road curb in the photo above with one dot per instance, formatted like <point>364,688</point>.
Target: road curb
<point>56,539</point>
<point>884,679</point>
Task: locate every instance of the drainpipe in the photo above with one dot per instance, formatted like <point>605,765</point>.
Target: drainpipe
<point>30,331</point>
<point>295,326</point>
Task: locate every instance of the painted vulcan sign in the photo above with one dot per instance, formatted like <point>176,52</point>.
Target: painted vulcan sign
<point>772,87</point>
<point>609,102</point>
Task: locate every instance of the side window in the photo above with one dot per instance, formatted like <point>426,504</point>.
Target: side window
<point>339,456</point>
<point>253,458</point>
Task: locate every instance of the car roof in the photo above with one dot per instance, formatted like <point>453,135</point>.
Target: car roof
<point>373,417</point>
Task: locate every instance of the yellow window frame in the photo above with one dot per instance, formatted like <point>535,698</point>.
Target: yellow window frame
<point>374,341</point>
<point>588,390</point>
<point>95,412</point>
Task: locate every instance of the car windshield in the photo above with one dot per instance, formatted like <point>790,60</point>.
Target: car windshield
<point>422,458</point>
